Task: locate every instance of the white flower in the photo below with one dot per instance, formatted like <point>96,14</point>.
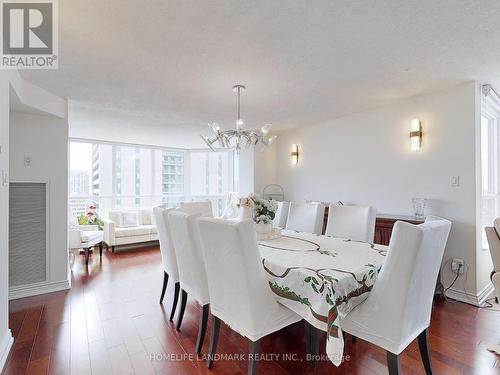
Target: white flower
<point>264,219</point>
<point>263,209</point>
<point>272,205</point>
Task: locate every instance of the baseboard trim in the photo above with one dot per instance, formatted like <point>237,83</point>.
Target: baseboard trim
<point>476,300</point>
<point>16,292</point>
<point>5,347</point>
<point>485,293</point>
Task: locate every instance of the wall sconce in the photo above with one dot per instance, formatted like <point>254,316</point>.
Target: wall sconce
<point>415,135</point>
<point>295,154</point>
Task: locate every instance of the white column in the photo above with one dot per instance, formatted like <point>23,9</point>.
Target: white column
<point>246,171</point>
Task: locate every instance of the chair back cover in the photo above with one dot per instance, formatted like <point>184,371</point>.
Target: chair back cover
<point>492,234</point>
<point>204,208</point>
<point>281,214</point>
<point>306,217</point>
<point>239,291</point>
<point>166,245</point>
<point>231,210</point>
<point>189,253</point>
<point>356,223</point>
<point>399,306</point>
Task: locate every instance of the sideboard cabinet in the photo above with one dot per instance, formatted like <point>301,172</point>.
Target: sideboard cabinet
<point>383,225</point>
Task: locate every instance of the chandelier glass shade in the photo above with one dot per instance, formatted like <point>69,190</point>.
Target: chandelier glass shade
<point>238,138</point>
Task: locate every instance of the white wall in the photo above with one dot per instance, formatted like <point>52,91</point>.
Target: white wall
<point>45,140</point>
<point>265,167</point>
<point>365,158</point>
<point>16,92</point>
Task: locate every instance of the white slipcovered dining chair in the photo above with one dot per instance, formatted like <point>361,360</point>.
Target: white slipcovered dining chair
<point>231,209</point>
<point>192,273</point>
<point>281,214</point>
<point>306,217</point>
<point>240,295</point>
<point>398,309</point>
<point>204,208</point>
<point>167,251</point>
<point>356,223</point>
<point>493,236</point>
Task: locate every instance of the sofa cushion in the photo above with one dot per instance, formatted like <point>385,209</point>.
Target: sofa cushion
<point>125,218</point>
<point>129,219</point>
<point>151,228</point>
<point>146,216</point>
<point>114,216</point>
<point>132,231</point>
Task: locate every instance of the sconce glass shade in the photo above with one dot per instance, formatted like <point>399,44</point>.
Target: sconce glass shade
<point>295,154</point>
<point>415,135</point>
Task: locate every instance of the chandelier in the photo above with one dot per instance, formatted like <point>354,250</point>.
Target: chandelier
<point>238,138</point>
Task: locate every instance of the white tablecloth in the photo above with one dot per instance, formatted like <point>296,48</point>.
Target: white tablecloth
<point>321,278</point>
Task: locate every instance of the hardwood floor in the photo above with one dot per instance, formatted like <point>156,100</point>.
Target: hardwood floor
<point>110,322</point>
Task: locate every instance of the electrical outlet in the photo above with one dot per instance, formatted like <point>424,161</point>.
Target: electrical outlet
<point>457,266</point>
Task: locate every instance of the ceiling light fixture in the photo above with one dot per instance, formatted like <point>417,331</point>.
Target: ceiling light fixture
<point>238,138</point>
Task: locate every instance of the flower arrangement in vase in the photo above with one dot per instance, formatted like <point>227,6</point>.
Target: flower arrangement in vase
<point>91,218</point>
<point>264,211</point>
<point>261,211</point>
<point>245,207</point>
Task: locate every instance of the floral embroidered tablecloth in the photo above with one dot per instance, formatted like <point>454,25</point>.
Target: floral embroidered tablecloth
<point>321,278</point>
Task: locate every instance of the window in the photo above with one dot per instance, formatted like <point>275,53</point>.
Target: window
<point>211,177</point>
<point>490,198</point>
<point>124,176</point>
<point>83,178</point>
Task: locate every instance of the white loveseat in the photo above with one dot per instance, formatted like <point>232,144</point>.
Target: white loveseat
<point>128,227</point>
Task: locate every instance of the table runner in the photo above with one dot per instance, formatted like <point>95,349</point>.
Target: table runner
<point>321,278</point>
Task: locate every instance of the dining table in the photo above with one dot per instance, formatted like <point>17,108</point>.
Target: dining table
<point>321,278</point>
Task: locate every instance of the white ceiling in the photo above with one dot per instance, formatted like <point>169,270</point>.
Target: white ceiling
<point>173,63</point>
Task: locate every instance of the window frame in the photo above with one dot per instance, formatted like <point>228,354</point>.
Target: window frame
<point>490,111</point>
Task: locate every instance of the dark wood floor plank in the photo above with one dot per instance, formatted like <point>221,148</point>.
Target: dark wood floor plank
<point>38,366</point>
<point>16,319</point>
<point>110,322</point>
<point>120,360</point>
<point>29,327</point>
<point>100,363</point>
<point>61,349</point>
